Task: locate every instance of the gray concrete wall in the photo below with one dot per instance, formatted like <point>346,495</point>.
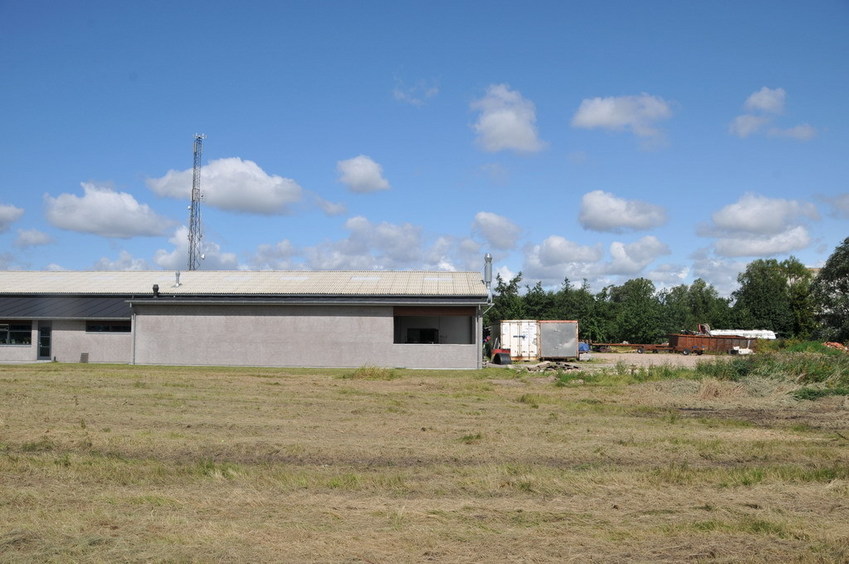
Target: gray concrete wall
<point>318,336</point>
<point>20,353</point>
<point>69,340</point>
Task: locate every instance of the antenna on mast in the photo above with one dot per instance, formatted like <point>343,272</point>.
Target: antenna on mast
<point>195,234</point>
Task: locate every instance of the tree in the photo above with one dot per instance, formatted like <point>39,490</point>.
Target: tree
<point>539,303</point>
<point>677,313</point>
<point>637,311</point>
<point>774,295</point>
<point>830,294</point>
<point>707,306</point>
<point>579,304</point>
<point>506,301</point>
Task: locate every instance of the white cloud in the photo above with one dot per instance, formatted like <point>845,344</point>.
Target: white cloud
<point>104,212</point>
<point>8,215</point>
<point>31,238</point>
<point>760,215</point>
<point>759,226</point>
<point>361,174</point>
<point>556,250</point>
<point>330,208</point>
<point>719,273</point>
<point>763,106</point>
<point>507,121</point>
<point>278,256</point>
<point>416,95</point>
<point>769,100</point>
<point>637,114</point>
<point>746,125</point>
<point>630,259</point>
<point>232,184</point>
<point>125,261</point>
<point>793,239</point>
<point>668,275</point>
<point>498,231</point>
<point>558,258</point>
<point>369,246</point>
<point>178,258</point>
<point>602,211</point>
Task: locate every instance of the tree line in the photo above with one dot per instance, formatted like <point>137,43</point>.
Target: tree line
<point>782,296</point>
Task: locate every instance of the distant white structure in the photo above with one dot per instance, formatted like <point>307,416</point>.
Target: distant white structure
<point>747,333</point>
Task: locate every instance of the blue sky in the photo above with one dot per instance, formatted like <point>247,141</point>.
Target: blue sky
<point>583,140</point>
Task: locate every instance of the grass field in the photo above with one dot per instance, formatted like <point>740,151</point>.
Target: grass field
<point>131,463</point>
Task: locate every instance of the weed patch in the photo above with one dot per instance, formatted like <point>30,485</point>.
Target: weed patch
<point>372,373</point>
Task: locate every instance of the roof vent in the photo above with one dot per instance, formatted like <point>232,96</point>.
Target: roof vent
<point>156,290</point>
<point>177,279</point>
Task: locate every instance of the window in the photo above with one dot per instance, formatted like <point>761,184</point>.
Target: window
<point>107,327</point>
<point>15,333</point>
<point>434,325</point>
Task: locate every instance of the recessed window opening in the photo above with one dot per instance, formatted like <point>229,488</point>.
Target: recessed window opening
<point>15,333</point>
<point>431,326</point>
<point>107,327</point>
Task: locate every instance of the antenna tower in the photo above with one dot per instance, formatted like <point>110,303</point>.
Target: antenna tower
<point>195,234</point>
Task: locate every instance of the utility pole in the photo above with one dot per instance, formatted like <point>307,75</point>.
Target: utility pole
<point>195,234</point>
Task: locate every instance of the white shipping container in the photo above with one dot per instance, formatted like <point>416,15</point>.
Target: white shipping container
<point>521,337</point>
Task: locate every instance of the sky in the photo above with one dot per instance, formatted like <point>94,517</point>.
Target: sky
<point>581,140</point>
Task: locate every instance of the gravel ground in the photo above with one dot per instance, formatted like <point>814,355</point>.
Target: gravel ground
<point>648,359</point>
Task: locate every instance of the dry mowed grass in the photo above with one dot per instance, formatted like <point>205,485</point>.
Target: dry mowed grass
<point>129,463</point>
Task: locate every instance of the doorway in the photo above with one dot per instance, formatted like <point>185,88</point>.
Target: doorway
<point>45,331</point>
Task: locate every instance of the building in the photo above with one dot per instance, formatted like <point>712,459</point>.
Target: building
<point>411,319</point>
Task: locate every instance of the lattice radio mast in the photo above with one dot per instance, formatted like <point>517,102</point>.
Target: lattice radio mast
<point>195,234</point>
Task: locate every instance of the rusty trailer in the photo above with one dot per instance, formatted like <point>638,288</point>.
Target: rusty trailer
<point>687,344</point>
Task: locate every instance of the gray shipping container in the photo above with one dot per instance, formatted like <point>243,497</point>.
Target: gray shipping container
<point>558,340</point>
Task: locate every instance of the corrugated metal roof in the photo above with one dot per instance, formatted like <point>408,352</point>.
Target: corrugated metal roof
<point>248,283</point>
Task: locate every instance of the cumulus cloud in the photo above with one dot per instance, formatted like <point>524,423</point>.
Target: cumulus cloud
<point>8,215</point>
<point>763,106</point>
<point>279,256</point>
<point>233,184</point>
<point>105,212</point>
<point>557,258</point>
<point>125,261</point>
<point>759,226</point>
<point>178,257</point>
<point>770,100</point>
<point>330,208</point>
<point>630,259</point>
<point>745,125</point>
<point>369,246</point>
<point>507,121</point>
<point>361,174</point>
<point>719,273</point>
<point>793,239</point>
<point>498,231</point>
<point>760,215</point>
<point>28,238</point>
<point>602,211</point>
<point>556,250</point>
<point>637,114</point>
